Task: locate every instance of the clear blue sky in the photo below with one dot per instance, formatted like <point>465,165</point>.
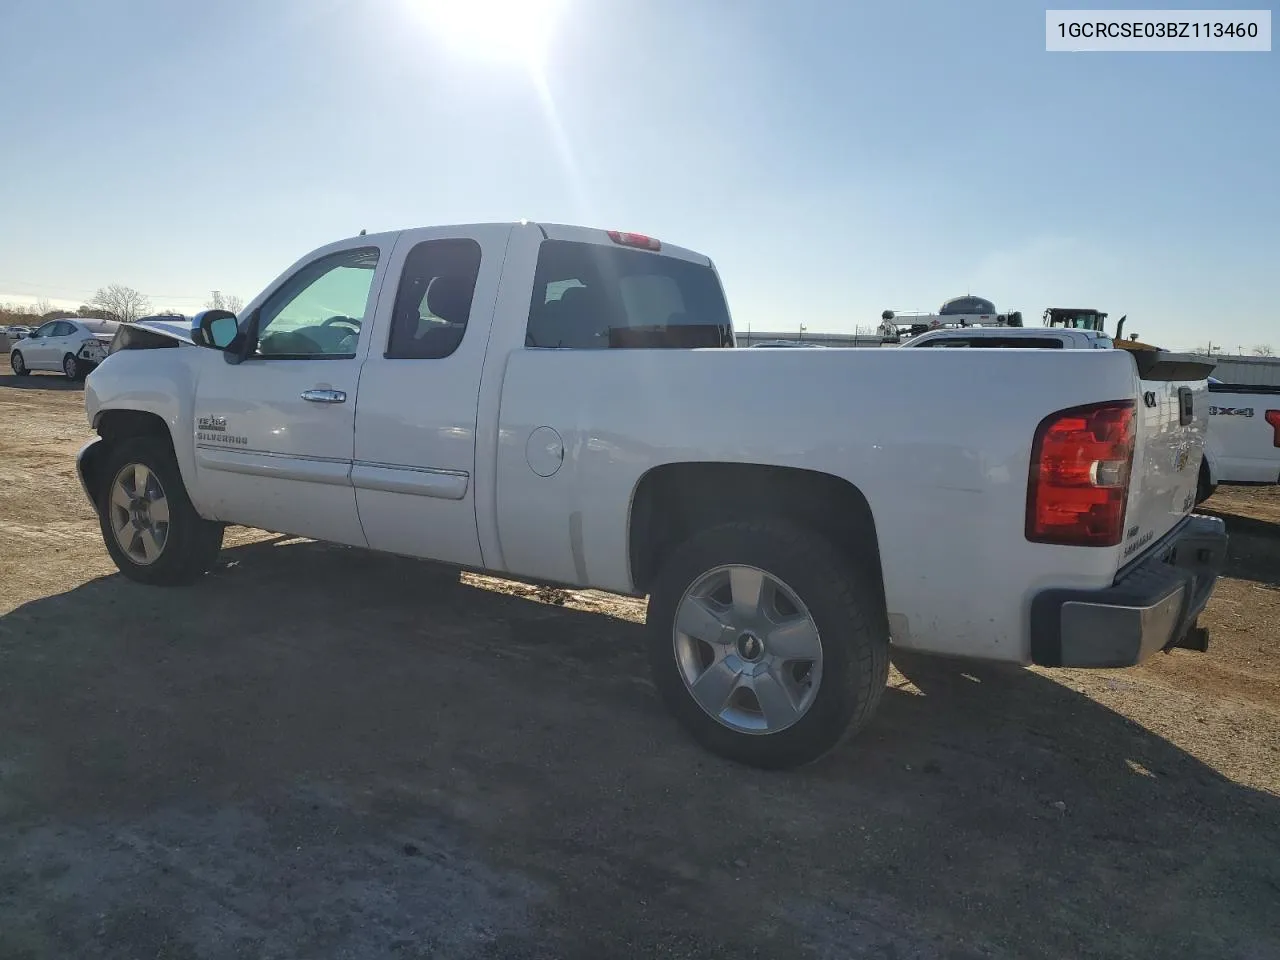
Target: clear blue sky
<point>834,158</point>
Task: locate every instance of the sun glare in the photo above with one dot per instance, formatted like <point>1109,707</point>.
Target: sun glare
<point>513,31</point>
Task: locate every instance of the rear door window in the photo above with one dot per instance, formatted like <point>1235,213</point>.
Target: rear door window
<point>591,297</point>
<point>433,302</point>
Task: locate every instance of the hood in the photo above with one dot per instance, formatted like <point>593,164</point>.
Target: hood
<point>175,329</point>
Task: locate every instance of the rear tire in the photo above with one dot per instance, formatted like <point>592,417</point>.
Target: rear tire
<point>72,368</point>
<point>818,586</point>
<point>1204,489</point>
<point>149,526</point>
<point>19,365</point>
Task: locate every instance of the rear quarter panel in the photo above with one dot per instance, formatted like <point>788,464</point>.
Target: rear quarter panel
<point>938,442</point>
<point>1166,464</point>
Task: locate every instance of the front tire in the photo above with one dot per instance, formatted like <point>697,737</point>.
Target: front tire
<point>149,526</point>
<point>18,364</point>
<point>768,645</point>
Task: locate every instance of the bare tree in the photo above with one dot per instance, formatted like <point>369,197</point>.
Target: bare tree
<point>122,303</point>
<point>225,301</point>
<point>43,306</point>
<point>1264,350</point>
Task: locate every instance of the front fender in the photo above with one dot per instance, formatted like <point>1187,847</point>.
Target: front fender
<point>135,381</point>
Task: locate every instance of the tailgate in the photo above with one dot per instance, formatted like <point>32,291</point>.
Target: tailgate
<point>1173,416</point>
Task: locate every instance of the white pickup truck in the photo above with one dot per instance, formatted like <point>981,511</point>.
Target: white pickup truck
<point>1242,441</point>
<point>531,400</point>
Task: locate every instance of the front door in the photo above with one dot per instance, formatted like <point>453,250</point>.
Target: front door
<point>39,348</point>
<point>274,435</point>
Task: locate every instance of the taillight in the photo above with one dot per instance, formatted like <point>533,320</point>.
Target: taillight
<point>1081,460</point>
<point>1273,418</point>
<point>634,240</point>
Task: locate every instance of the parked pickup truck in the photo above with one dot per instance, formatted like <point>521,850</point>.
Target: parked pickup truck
<point>1243,442</point>
<point>567,405</point>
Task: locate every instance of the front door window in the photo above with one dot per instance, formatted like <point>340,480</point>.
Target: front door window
<point>319,311</point>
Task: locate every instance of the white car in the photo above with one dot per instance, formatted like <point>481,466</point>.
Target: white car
<point>72,346</point>
<point>554,403</point>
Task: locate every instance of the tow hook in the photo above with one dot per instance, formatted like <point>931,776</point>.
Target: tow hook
<point>1196,638</point>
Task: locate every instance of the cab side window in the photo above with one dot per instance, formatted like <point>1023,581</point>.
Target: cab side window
<point>595,297</point>
<point>433,302</point>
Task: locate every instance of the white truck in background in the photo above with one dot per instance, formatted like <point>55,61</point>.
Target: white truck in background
<point>555,403</point>
<point>1242,446</point>
<point>956,313</point>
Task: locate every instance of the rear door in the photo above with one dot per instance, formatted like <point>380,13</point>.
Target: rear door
<point>1173,418</point>
<point>66,339</point>
<point>415,445</point>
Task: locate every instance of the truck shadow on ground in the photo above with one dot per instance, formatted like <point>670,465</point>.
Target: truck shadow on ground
<point>322,751</point>
<point>41,381</point>
<point>1254,549</point>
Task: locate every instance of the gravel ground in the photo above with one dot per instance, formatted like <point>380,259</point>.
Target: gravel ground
<point>318,752</point>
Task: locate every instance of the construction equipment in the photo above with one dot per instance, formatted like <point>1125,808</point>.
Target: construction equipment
<point>966,311</point>
<point>1076,318</point>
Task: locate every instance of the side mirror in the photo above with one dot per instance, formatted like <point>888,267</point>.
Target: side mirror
<point>214,328</point>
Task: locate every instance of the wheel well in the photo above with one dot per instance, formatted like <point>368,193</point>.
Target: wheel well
<point>1206,467</point>
<point>114,426</point>
<point>674,501</point>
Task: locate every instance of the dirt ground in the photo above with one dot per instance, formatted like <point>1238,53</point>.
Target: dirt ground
<point>318,752</point>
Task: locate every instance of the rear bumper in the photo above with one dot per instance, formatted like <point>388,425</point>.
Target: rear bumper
<point>1153,606</point>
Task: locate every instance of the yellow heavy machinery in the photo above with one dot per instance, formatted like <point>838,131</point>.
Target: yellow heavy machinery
<point>1074,318</point>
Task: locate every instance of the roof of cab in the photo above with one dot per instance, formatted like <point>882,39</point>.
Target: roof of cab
<point>550,231</point>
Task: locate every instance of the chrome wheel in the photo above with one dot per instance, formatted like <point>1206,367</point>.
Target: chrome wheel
<point>139,513</point>
<point>18,364</point>
<point>69,366</point>
<point>748,649</point>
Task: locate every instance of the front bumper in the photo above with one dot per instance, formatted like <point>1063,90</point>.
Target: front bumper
<point>1152,606</point>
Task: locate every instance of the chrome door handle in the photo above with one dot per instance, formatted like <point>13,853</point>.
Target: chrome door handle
<point>325,396</point>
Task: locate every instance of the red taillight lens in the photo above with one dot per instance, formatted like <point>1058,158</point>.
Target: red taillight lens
<point>1273,418</point>
<point>1079,480</point>
<point>634,240</point>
